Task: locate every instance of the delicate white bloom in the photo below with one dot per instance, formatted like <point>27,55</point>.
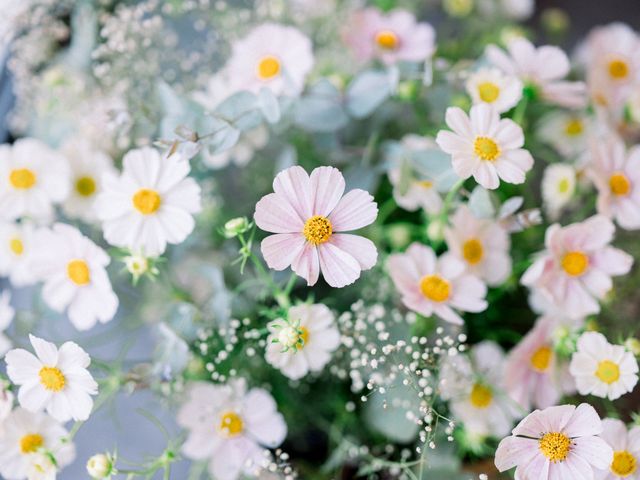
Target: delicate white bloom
<point>16,249</point>
<point>73,269</point>
<point>54,379</point>
<point>603,369</point>
<point>626,451</point>
<point>230,427</point>
<point>151,204</point>
<point>242,152</point>
<point>304,342</point>
<point>100,466</point>
<point>567,132</point>
<point>29,442</point>
<point>32,178</point>
<point>7,313</point>
<point>491,86</point>
<point>558,187</point>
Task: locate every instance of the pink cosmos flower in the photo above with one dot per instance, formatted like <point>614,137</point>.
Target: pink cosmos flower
<point>575,270</point>
<point>533,375</point>
<point>482,244</point>
<point>616,175</point>
<point>557,443</point>
<point>542,68</point>
<point>436,285</point>
<point>275,56</point>
<point>391,38</point>
<point>626,451</point>
<point>308,215</point>
<point>485,146</point>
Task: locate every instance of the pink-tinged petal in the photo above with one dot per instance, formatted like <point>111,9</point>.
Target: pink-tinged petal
<point>338,267</point>
<point>633,443</point>
<point>531,426</point>
<point>200,445</point>
<point>566,94</point>
<point>534,272</point>
<point>307,264</point>
<point>294,185</point>
<point>537,469</point>
<point>360,248</point>
<point>614,432</point>
<point>452,143</point>
<point>509,135</point>
<point>584,421</point>
<point>484,120</point>
<point>572,467</point>
<point>274,214</point>
<point>270,431</point>
<point>418,303</point>
<point>599,231</point>
<point>552,62</point>
<point>46,351</point>
<point>258,406</point>
<point>500,59</point>
<point>424,258</point>
<point>486,175</point>
<point>446,313</point>
<point>556,418</point>
<point>355,210</point>
<point>468,295</point>
<point>612,261</point>
<point>594,451</point>
<point>403,272</point>
<point>465,164</point>
<point>496,268</point>
<point>450,266</point>
<point>327,184</point>
<point>577,301</point>
<point>280,250</point>
<point>514,451</point>
<point>597,282</point>
<point>458,121</point>
<point>513,165</point>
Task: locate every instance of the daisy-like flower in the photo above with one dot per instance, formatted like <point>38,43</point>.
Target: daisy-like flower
<point>616,175</point>
<point>308,215</point>
<point>391,37</point>
<point>303,342</point>
<point>575,270</point>
<point>565,131</point>
<point>87,168</point>
<point>556,443</point>
<point>431,285</point>
<point>485,146</point>
<point>73,270</point>
<point>7,313</point>
<point>56,379</point>
<point>275,56</point>
<point>603,369</point>
<point>558,187</point>
<point>541,69</point>
<point>151,204</point>
<point>626,451</point>
<point>26,441</point>
<point>473,386</point>
<point>482,244</point>
<point>491,86</point>
<point>230,427</point>
<point>32,178</point>
<point>16,249</point>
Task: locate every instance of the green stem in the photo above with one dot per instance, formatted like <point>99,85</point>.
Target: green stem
<point>518,114</point>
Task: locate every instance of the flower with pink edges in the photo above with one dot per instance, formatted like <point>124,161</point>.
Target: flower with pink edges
<point>626,451</point>
<point>431,285</point>
<point>542,68</point>
<point>485,146</point>
<point>482,244</point>
<point>575,270</point>
<point>308,215</point>
<point>275,56</point>
<point>391,37</point>
<point>557,443</point>
<point>616,175</point>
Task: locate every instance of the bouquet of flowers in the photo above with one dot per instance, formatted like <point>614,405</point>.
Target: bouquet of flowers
<point>386,240</point>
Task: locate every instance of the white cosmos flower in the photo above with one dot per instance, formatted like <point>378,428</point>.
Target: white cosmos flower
<point>87,167</point>
<point>565,131</point>
<point>491,86</point>
<point>485,146</point>
<point>29,442</point>
<point>32,178</point>
<point>304,342</point>
<point>151,204</point>
<point>16,250</point>
<point>626,451</point>
<point>558,187</point>
<point>603,369</point>
<point>73,270</point>
<point>230,427</point>
<point>6,317</point>
<point>56,379</point>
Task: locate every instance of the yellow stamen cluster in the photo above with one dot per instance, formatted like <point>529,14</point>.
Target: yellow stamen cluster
<point>31,442</point>
<point>78,272</point>
<point>619,184</point>
<point>16,246</point>
<point>481,396</point>
<point>435,288</point>
<point>486,148</point>
<point>608,372</point>
<point>85,186</point>
<point>52,378</point>
<point>472,251</point>
<point>618,69</point>
<point>575,263</point>
<point>488,92</point>
<point>574,127</point>
<point>541,359</point>
<point>317,229</point>
<point>555,446</point>
<point>268,67</point>
<point>146,201</point>
<point>231,424</point>
<point>387,40</point>
<point>624,463</point>
<point>22,178</point>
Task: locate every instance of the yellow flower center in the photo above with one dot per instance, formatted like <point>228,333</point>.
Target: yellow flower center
<point>564,185</point>
<point>31,442</point>
<point>85,186</point>
<point>573,127</point>
<point>304,336</point>
<point>78,271</point>
<point>481,396</point>
<point>22,178</point>
<point>486,148</point>
<point>387,39</point>
<point>317,229</point>
<point>488,92</point>
<point>52,379</point>
<point>541,359</point>
<point>268,67</point>
<point>619,184</point>
<point>624,463</point>
<point>575,263</point>
<point>608,372</point>
<point>472,251</point>
<point>16,246</point>
<point>435,288</point>
<point>555,446</point>
<point>425,183</point>
<point>146,201</point>
<point>231,424</point>
<point>618,69</point>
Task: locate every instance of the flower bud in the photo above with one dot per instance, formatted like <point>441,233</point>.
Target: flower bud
<point>235,227</point>
<point>137,265</point>
<point>633,345</point>
<point>458,8</point>
<point>100,466</point>
<point>435,230</point>
<point>288,336</point>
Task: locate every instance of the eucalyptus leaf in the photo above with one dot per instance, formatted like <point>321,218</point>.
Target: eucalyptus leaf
<point>367,91</point>
<point>241,110</point>
<point>269,105</point>
<point>480,203</point>
<point>321,109</point>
